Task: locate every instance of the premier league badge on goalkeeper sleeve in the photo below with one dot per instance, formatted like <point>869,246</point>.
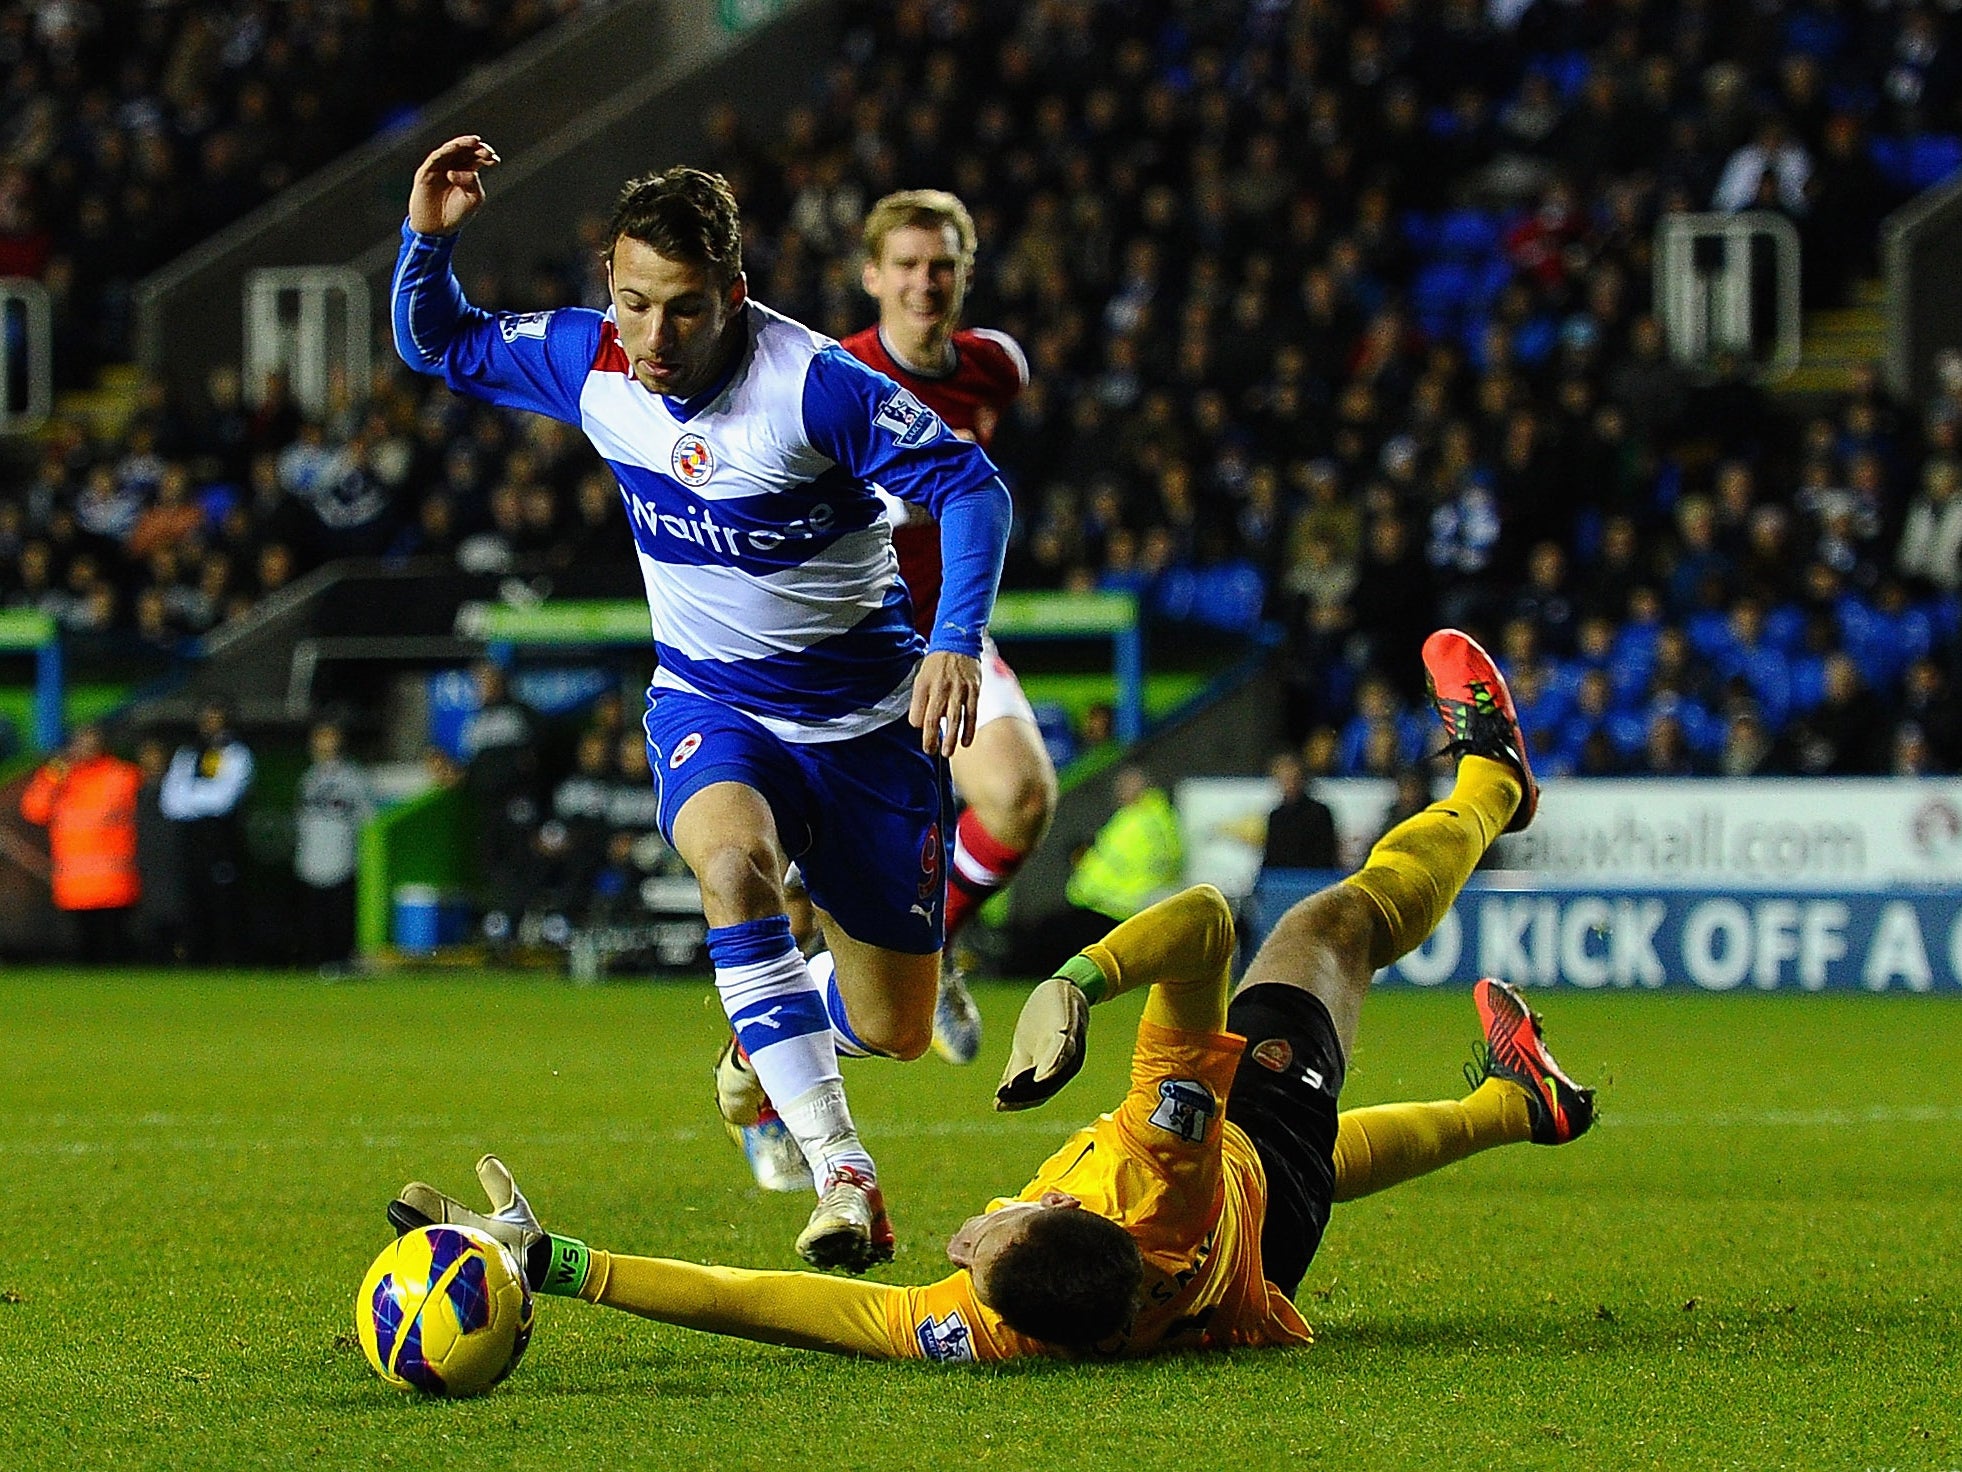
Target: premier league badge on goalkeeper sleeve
<point>1185,1108</point>
<point>945,1341</point>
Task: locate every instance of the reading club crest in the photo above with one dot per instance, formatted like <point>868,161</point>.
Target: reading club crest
<point>685,748</point>
<point>693,461</point>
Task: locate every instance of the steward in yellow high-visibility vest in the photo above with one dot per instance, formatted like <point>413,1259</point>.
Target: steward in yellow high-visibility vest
<point>1138,856</point>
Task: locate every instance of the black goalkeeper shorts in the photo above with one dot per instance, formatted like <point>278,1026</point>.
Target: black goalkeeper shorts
<point>1284,1099</point>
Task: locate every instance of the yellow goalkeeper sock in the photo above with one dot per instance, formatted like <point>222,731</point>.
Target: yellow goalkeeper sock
<point>1188,937</point>
<point>1417,868</point>
<point>1388,1144</point>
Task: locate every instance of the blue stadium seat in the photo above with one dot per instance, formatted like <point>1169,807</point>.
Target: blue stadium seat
<point>1173,595</point>
<point>1815,31</point>
<point>1703,731</point>
<point>1058,736</point>
<point>1443,285</point>
<point>1349,745</point>
<point>1628,730</point>
<point>1808,684</point>
<point>1229,596</point>
<point>1890,156</point>
<point>1932,158</point>
<point>1710,636</point>
<point>1915,635</point>
<point>1769,674</point>
<point>1547,710</point>
<point>1535,340</point>
<point>1632,662</point>
<point>1868,636</point>
<point>1566,678</point>
<point>1945,616</point>
<point>1567,70</point>
<point>1784,627</point>
<point>1563,750</point>
<point>1134,582</point>
<point>1467,235</point>
<point>216,501</point>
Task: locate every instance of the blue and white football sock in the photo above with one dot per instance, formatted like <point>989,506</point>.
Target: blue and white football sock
<point>824,971</point>
<point>780,1019</point>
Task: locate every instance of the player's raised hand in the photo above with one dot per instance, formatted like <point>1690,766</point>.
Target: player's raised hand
<point>449,187</point>
<point>947,689</point>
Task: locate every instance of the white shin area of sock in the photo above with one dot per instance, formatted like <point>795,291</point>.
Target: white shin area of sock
<point>821,1122</point>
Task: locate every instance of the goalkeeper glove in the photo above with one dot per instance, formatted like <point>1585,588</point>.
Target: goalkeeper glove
<point>551,1264</point>
<point>1048,1047</point>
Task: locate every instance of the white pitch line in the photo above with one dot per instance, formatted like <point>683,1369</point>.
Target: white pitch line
<point>425,1132</point>
<point>205,1142</point>
<point>1826,1118</point>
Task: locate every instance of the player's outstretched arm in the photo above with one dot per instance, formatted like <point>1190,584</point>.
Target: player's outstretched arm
<point>449,187</point>
<point>1181,947</point>
<point>801,1310</point>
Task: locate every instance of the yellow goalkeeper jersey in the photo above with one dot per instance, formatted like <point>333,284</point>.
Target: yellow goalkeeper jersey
<point>1168,1167</point>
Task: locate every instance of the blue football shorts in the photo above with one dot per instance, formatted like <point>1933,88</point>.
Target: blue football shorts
<point>865,819</point>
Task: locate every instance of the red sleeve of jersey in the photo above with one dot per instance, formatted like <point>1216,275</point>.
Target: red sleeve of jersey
<point>1000,358</point>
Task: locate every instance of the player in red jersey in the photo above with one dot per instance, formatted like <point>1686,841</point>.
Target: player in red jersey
<point>919,251</point>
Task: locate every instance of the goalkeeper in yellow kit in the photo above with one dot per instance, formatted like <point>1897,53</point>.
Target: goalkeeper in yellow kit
<point>1186,1218</point>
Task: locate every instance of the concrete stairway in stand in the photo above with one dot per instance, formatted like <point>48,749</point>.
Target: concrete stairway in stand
<point>1836,341</point>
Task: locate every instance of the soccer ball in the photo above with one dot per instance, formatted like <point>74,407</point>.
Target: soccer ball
<point>444,1310</point>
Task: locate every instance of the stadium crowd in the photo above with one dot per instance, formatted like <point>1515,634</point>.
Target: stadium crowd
<point>131,131</point>
<point>1339,322</point>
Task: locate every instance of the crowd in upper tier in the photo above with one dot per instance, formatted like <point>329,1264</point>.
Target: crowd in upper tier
<point>1339,317</point>
<point>130,130</point>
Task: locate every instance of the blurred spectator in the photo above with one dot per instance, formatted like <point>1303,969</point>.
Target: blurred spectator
<point>1747,747</point>
<point>635,850</point>
<point>86,799</point>
<point>204,792</point>
<point>570,845</point>
<point>1770,172</point>
<point>160,909</point>
<point>334,803</point>
<point>168,521</point>
<point>1137,856</point>
<point>501,776</point>
<point>1410,794</point>
<point>1931,542</point>
<point>1928,700</point>
<point>1301,828</point>
<point>1839,737</point>
<point>1909,754</point>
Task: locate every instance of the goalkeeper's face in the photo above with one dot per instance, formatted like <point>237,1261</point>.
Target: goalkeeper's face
<point>678,322</point>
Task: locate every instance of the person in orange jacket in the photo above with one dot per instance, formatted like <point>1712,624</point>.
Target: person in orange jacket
<point>86,799</point>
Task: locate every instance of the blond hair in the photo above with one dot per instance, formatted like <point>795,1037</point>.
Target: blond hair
<point>929,208</point>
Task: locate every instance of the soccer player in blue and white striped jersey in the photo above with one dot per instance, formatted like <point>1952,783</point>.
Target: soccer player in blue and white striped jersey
<point>780,720</point>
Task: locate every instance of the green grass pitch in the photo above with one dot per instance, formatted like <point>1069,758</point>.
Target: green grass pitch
<point>1755,1261</point>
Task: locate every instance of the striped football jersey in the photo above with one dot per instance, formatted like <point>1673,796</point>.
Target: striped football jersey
<point>771,582</point>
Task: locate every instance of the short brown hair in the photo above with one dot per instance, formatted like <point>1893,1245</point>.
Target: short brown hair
<point>929,208</point>
<point>686,215</point>
<point>1069,1278</point>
